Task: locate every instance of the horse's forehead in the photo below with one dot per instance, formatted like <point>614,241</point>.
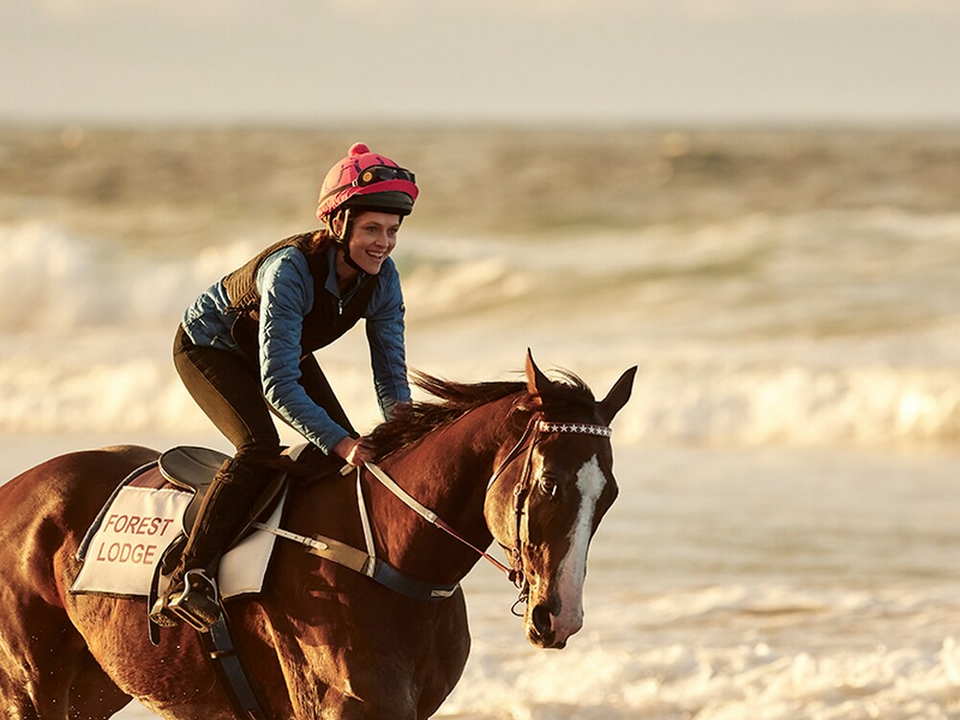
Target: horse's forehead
<point>585,412</point>
<point>571,452</point>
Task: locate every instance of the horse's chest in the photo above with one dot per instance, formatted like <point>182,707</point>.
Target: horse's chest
<point>403,656</point>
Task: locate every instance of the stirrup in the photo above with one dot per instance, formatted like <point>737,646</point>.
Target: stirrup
<point>198,604</point>
<point>160,614</point>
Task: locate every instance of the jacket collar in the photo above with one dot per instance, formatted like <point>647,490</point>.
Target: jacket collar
<point>331,285</point>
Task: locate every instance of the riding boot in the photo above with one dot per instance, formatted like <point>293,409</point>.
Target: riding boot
<point>224,513</point>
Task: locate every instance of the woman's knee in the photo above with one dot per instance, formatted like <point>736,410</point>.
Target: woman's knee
<point>260,452</point>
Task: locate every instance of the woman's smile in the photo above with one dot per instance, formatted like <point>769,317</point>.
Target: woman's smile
<point>373,238</point>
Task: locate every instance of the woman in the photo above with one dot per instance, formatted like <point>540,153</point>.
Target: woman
<point>245,348</point>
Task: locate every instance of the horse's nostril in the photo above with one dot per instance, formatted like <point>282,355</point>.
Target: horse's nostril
<point>542,620</point>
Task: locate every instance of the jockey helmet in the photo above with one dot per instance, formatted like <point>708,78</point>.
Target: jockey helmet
<point>366,180</point>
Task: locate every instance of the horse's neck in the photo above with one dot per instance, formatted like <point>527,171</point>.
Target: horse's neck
<point>447,471</point>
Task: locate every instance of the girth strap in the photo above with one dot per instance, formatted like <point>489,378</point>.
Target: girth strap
<point>219,644</point>
<point>325,547</point>
<point>366,564</point>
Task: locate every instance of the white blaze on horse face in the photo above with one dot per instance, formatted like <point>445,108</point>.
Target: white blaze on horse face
<point>573,568</point>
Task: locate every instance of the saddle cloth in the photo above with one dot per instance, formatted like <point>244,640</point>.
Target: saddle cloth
<point>143,516</point>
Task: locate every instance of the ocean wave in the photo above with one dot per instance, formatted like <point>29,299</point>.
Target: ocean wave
<point>806,272</point>
<point>742,335</point>
<point>691,405</point>
<point>54,282</point>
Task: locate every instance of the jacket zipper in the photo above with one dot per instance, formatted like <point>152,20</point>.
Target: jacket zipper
<point>340,302</point>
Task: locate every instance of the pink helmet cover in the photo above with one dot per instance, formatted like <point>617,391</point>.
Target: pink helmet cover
<point>340,183</point>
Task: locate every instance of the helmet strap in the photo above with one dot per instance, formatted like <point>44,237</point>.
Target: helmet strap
<point>343,238</point>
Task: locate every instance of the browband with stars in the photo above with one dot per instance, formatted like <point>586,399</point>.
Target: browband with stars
<point>584,428</point>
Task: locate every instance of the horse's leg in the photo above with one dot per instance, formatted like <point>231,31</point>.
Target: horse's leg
<point>340,707</point>
<point>308,663</point>
<point>93,695</point>
<point>439,669</point>
<point>38,660</point>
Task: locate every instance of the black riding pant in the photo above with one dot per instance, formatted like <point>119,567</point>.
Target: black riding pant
<point>227,388</point>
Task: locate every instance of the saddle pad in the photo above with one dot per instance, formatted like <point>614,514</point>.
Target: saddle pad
<point>129,536</point>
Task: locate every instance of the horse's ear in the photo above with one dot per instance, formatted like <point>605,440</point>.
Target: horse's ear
<point>618,396</point>
<point>537,382</point>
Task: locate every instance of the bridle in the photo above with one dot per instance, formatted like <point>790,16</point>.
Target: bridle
<point>536,427</point>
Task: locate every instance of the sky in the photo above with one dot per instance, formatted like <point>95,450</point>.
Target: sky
<point>883,61</point>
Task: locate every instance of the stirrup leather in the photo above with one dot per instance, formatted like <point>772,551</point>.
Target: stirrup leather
<point>198,604</point>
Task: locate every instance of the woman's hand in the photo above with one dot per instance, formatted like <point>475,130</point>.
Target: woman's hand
<point>354,450</point>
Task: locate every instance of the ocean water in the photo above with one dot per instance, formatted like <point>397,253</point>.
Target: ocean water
<point>785,541</point>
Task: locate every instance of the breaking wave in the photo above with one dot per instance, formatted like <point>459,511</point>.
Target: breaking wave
<point>743,333</point>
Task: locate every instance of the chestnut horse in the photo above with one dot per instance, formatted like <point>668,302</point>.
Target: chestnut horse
<point>322,641</point>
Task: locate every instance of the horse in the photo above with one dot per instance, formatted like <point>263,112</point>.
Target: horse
<point>526,464</point>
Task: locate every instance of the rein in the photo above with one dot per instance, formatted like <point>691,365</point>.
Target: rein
<point>427,514</point>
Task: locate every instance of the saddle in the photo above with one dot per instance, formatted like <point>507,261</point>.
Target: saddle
<point>193,469</point>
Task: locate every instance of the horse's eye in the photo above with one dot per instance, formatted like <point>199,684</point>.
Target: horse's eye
<point>548,487</point>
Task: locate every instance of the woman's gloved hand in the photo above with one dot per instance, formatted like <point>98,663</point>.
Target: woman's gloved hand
<point>355,451</point>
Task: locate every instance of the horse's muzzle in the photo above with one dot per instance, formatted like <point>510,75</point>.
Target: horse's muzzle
<point>540,628</point>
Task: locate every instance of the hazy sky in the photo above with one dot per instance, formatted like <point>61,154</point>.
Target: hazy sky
<point>646,60</point>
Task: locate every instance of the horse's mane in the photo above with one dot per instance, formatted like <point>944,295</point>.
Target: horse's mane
<point>412,422</point>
